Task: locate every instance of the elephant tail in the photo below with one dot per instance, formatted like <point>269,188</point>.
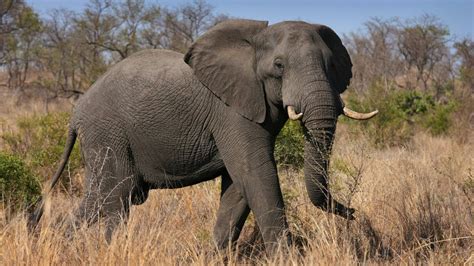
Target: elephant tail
<point>35,216</point>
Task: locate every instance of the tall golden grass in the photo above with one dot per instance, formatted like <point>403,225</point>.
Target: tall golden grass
<point>414,205</point>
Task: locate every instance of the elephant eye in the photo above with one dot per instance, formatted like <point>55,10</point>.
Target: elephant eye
<point>279,67</point>
<point>278,64</point>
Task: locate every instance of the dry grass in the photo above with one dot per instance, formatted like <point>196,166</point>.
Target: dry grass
<point>414,205</point>
<point>16,104</point>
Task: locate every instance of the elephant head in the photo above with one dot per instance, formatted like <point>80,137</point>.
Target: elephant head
<point>292,70</point>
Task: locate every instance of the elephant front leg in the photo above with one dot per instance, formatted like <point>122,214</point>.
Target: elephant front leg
<point>233,211</point>
<point>248,157</point>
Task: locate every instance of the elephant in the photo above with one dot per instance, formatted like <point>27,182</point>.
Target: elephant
<point>161,119</point>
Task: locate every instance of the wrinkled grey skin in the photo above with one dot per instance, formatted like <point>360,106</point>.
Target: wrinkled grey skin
<point>155,120</point>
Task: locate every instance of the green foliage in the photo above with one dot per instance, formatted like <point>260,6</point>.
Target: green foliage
<point>19,187</point>
<point>289,147</point>
<point>439,120</point>
<point>40,141</point>
<point>401,114</point>
<point>412,103</point>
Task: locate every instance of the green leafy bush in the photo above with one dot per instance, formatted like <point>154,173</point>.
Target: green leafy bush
<point>412,103</point>
<point>439,120</point>
<point>289,146</point>
<point>40,141</point>
<point>401,114</point>
<point>19,187</point>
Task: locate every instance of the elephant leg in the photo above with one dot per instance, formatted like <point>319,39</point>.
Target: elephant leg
<point>261,190</point>
<point>117,211</point>
<point>247,152</point>
<point>112,206</point>
<point>233,211</point>
<point>110,184</point>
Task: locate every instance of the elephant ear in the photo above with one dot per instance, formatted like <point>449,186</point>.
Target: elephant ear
<point>339,61</point>
<point>223,59</point>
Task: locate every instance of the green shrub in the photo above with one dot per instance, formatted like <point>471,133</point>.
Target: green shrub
<point>439,121</point>
<point>40,141</point>
<point>391,126</point>
<point>412,103</point>
<point>19,187</point>
<point>401,114</point>
<point>289,146</point>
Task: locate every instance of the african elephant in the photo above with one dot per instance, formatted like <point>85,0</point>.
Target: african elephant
<point>161,119</point>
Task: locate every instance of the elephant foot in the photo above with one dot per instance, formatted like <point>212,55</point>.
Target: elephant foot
<point>347,213</point>
<point>299,242</point>
<point>341,210</point>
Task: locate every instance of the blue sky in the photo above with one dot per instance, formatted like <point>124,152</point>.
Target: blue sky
<point>343,16</point>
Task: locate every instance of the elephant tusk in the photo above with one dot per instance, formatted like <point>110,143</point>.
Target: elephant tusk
<point>359,116</point>
<point>292,114</point>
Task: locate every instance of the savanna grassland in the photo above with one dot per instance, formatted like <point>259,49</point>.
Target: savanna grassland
<point>408,172</point>
<point>414,205</point>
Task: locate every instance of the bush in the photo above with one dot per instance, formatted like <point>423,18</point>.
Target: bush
<point>401,114</point>
<point>439,121</point>
<point>289,146</point>
<point>19,188</point>
<point>40,141</point>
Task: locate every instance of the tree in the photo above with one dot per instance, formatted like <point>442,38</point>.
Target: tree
<point>20,28</point>
<point>373,54</point>
<point>8,10</point>
<point>72,64</point>
<point>118,28</point>
<point>185,24</point>
<point>422,43</point>
<point>465,52</point>
<point>73,50</point>
<point>95,24</point>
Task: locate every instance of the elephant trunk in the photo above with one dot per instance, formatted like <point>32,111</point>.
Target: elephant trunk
<point>319,120</point>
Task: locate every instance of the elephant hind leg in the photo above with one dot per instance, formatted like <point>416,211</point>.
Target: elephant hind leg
<point>113,210</point>
<point>115,214</point>
<point>111,182</point>
<point>140,192</point>
<point>108,202</point>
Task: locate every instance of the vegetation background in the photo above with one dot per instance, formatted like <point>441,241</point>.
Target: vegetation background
<point>408,172</point>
